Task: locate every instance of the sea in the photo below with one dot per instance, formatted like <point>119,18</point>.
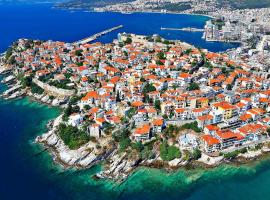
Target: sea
<point>28,172</point>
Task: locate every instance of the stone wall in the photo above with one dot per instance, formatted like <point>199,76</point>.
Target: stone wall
<point>54,91</point>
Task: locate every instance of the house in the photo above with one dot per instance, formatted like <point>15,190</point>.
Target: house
<point>227,110</point>
<point>204,120</point>
<point>252,132</point>
<point>210,143</point>
<point>100,121</point>
<point>94,130</point>
<point>75,119</point>
<point>143,132</point>
<point>228,138</point>
<point>188,141</point>
<point>256,113</point>
<point>181,114</point>
<point>90,98</point>
<point>158,125</point>
<point>202,102</point>
<point>210,129</point>
<point>196,112</point>
<point>83,70</point>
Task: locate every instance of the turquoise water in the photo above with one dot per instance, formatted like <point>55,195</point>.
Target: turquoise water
<point>27,176</point>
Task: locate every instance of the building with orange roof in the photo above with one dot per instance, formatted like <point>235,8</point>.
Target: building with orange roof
<point>256,113</point>
<point>246,118</point>
<point>211,129</point>
<point>227,138</point>
<point>137,104</point>
<point>204,120</point>
<point>252,132</point>
<point>210,143</point>
<point>202,102</point>
<point>226,109</point>
<point>158,125</point>
<point>181,113</point>
<point>142,132</point>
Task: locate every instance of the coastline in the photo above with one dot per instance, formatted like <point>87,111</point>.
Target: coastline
<point>48,177</point>
<point>118,169</point>
<point>140,11</point>
<point>183,178</point>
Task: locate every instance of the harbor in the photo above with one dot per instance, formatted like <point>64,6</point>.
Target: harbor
<point>97,35</point>
<point>188,29</point>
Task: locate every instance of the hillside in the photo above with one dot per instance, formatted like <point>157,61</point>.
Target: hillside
<point>244,4</point>
<point>198,6</point>
<point>90,4</point>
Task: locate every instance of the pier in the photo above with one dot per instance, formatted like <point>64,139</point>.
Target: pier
<point>189,29</point>
<point>97,35</point>
<point>11,90</point>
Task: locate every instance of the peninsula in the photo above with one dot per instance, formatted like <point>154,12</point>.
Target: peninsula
<point>143,101</point>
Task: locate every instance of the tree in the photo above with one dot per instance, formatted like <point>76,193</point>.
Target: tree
<point>26,81</point>
<point>157,104</point>
<point>146,153</point>
<point>196,154</point>
<point>161,55</point>
<point>148,88</point>
<point>187,51</point>
<point>78,52</point>
<point>168,153</point>
<point>74,99</point>
<point>229,87</point>
<point>130,112</point>
<point>36,89</point>
<point>123,144</point>
<point>69,110</point>
<point>72,136</point>
<point>224,70</point>
<point>193,86</point>
<point>231,155</point>
<point>158,62</point>
<point>86,107</point>
<point>138,146</point>
<point>193,126</point>
<point>128,40</point>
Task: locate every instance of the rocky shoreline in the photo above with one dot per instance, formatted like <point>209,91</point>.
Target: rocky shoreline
<point>118,167</point>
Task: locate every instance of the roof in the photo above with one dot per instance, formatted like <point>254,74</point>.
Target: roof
<point>158,122</point>
<point>226,134</point>
<point>210,140</point>
<point>137,104</point>
<point>180,110</point>
<point>245,117</point>
<point>101,120</point>
<point>212,127</point>
<point>205,117</point>
<point>184,75</point>
<point>143,130</point>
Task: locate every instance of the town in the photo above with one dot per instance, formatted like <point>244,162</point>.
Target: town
<point>142,100</point>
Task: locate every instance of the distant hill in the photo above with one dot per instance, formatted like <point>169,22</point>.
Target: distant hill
<point>243,4</point>
<point>90,4</point>
<point>176,5</point>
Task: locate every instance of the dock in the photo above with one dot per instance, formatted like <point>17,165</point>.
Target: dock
<point>189,29</point>
<point>8,79</point>
<point>97,35</point>
<point>11,90</point>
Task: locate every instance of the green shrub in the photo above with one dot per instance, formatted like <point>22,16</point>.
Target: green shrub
<point>168,153</point>
<point>72,136</point>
